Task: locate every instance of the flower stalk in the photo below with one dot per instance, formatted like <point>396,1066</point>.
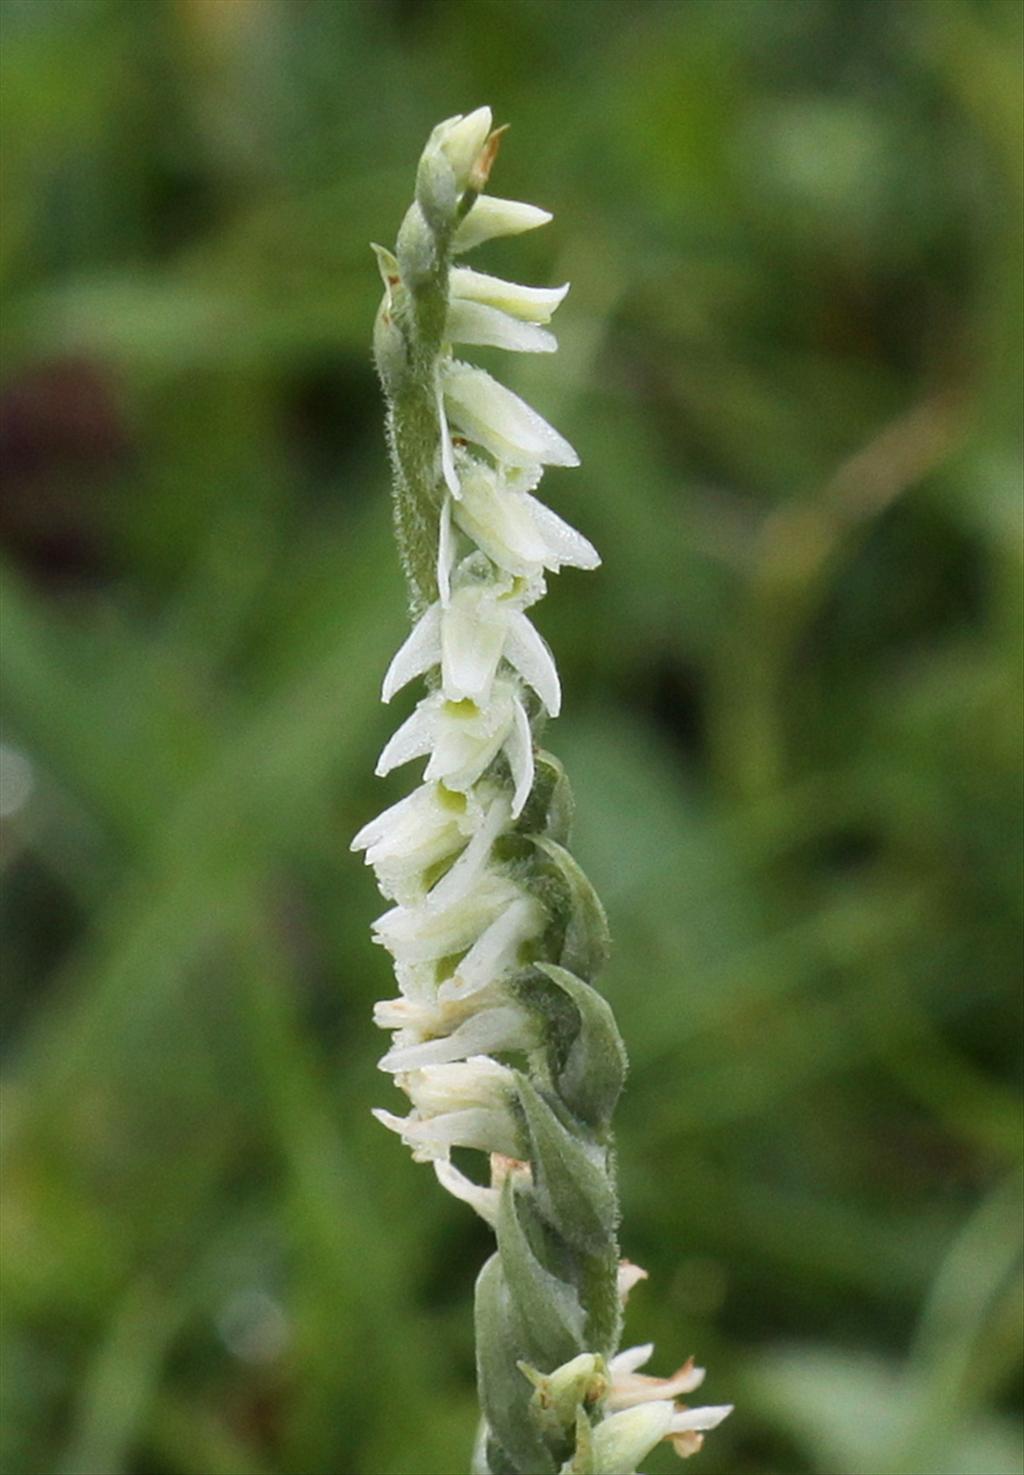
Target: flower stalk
<point>500,1041</point>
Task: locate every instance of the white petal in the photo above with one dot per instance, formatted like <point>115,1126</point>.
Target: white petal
<point>632,1358</point>
<point>421,651</point>
<point>520,756</point>
<point>486,327</point>
<point>499,420</point>
<point>700,1418</point>
<point>565,545</point>
<point>467,870</point>
<point>532,304</point>
<point>483,1200</point>
<point>527,652</point>
<point>412,740</point>
<point>495,952</point>
<point>490,217</point>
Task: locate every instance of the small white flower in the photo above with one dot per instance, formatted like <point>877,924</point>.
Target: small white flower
<point>491,217</point>
<point>458,1105</point>
<point>491,1031</point>
<point>463,739</point>
<point>468,638</point>
<point>532,304</point>
<point>476,324</point>
<point>630,1387</point>
<point>418,832</point>
<point>424,933</point>
<point>501,422</point>
<point>514,529</point>
<point>434,1137</point>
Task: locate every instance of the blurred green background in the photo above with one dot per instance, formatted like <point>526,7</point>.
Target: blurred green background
<point>791,363</point>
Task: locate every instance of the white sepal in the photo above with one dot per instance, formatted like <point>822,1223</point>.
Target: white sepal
<point>528,653</point>
<point>500,421</point>
<point>421,650</point>
<point>532,304</point>
<point>412,740</point>
<point>566,547</point>
<point>490,217</point>
<point>478,325</point>
<point>484,1200</point>
<point>519,747</point>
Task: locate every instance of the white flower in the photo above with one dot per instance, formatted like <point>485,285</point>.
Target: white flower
<point>630,1387</point>
<point>490,1031</point>
<point>424,933</point>
<point>463,739</point>
<point>624,1438</point>
<point>514,529</point>
<point>500,421</point>
<point>458,1105</point>
<point>491,217</point>
<point>532,304</point>
<point>417,833</point>
<point>474,323</point>
<point>468,638</point>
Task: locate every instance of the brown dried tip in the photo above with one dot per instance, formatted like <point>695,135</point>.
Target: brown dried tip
<point>484,161</point>
<point>502,1166</point>
<point>686,1444</point>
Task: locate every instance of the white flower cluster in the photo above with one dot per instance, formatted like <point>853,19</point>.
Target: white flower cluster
<point>462,924</point>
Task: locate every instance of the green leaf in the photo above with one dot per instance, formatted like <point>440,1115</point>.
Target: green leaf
<point>591,1078</point>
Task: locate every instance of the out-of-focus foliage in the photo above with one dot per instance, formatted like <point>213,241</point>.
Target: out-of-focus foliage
<point>791,363</point>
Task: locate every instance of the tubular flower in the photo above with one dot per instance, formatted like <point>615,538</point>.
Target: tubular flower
<point>499,1040</point>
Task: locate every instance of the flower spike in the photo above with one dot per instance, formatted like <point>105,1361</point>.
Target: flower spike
<point>499,1040</point>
